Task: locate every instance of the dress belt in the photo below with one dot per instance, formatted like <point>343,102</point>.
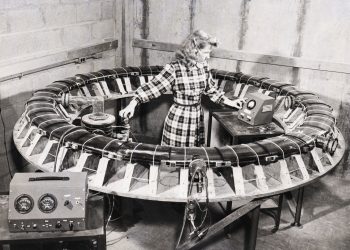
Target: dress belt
<point>188,105</point>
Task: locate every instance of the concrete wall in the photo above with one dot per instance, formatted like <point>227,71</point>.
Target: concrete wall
<point>38,32</point>
<point>35,32</point>
<point>314,29</point>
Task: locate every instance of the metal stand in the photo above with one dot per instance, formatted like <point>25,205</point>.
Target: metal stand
<point>275,215</point>
<point>250,238</point>
<point>253,206</point>
<point>297,216</point>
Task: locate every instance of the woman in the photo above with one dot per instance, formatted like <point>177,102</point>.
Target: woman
<point>188,77</point>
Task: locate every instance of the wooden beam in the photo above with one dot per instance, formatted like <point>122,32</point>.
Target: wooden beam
<point>128,32</point>
<point>220,225</point>
<point>91,50</point>
<point>72,56</point>
<point>240,55</point>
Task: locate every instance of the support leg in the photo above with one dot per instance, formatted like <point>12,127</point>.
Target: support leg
<point>101,242</point>
<point>220,225</point>
<point>228,211</point>
<point>210,120</point>
<point>278,214</point>
<point>253,230</point>
<point>299,207</point>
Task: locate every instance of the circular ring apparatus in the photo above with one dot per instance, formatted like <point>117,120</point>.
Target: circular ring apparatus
<point>256,169</point>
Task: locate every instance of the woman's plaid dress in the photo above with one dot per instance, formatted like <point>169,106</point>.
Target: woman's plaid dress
<point>184,124</point>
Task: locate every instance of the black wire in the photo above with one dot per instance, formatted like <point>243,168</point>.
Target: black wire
<point>6,153</point>
<point>205,211</point>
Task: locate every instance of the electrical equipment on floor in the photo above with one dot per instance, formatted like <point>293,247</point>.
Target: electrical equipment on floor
<point>258,109</point>
<point>47,202</point>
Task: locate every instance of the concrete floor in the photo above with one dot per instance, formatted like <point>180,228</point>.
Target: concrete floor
<point>326,224</point>
<point>156,225</point>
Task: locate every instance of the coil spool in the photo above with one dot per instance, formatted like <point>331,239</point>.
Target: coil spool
<point>331,145</point>
<point>289,102</point>
<point>98,123</point>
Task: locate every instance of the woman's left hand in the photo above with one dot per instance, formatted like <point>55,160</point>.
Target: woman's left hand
<point>237,103</point>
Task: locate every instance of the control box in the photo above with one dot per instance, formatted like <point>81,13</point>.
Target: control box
<point>258,109</point>
<point>47,202</point>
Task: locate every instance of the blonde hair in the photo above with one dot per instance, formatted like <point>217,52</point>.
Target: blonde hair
<point>189,48</point>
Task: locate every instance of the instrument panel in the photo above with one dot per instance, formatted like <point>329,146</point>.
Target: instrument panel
<point>47,203</point>
<point>24,204</point>
<point>60,206</point>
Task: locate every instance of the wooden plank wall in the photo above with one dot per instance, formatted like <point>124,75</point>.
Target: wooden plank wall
<point>34,34</point>
<point>315,30</point>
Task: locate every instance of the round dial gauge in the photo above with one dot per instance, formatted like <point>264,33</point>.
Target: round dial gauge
<point>47,203</point>
<point>24,204</point>
<point>251,104</point>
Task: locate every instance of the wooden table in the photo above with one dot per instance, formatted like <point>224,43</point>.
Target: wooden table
<point>240,131</point>
<point>95,232</point>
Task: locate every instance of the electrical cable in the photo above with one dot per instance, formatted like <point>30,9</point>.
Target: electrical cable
<point>205,212</point>
<point>111,211</point>
<point>6,153</point>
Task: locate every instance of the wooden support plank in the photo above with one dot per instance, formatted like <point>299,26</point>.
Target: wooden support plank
<point>287,114</point>
<point>79,93</point>
<point>23,125</point>
<point>183,186</point>
<point>302,167</point>
<point>330,158</point>
<point>60,156</point>
<point>211,186</point>
<point>293,114</point>
<point>267,92</point>
<point>260,178</point>
<point>25,138</point>
<point>139,172</point>
<point>317,160</point>
<point>45,152</point>
<point>126,184</point>
<point>284,173</point>
<point>33,144</point>
<point>120,86</point>
<point>127,84</point>
<point>153,179</point>
<point>297,121</point>
<point>105,88</point>
<point>63,110</point>
<point>240,55</point>
<point>142,80</point>
<point>237,89</point>
<point>100,172</point>
<point>222,85</point>
<point>238,180</point>
<point>98,89</point>
<point>48,167</point>
<point>86,91</point>
<point>81,162</point>
<point>244,91</point>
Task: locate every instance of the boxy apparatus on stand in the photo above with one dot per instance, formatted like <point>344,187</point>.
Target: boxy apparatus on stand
<point>47,202</point>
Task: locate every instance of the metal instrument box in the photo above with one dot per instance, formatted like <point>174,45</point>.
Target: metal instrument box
<point>47,202</point>
<point>258,109</point>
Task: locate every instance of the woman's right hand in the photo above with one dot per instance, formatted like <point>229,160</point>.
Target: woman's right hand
<point>129,110</point>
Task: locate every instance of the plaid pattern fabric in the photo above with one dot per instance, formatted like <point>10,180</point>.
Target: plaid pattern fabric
<point>184,124</point>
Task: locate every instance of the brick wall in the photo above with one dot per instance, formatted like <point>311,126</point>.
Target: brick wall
<point>37,32</point>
